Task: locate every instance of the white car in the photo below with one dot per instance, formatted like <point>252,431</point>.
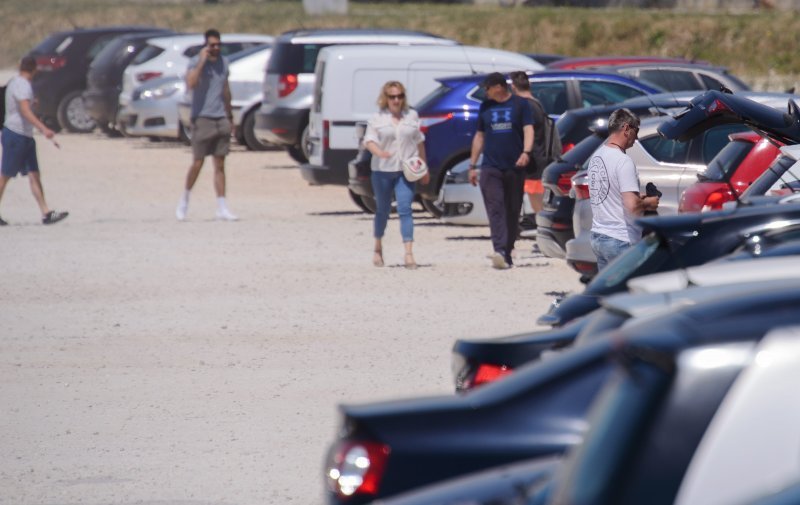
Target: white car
<point>153,109</point>
<point>169,56</point>
<point>246,73</point>
<point>750,449</point>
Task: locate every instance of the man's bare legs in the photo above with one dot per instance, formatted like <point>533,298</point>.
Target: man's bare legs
<point>191,178</point>
<point>219,186</point>
<point>38,192</point>
<point>3,182</point>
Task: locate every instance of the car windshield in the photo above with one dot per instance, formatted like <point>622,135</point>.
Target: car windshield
<point>725,163</point>
<point>650,250</point>
<point>781,178</point>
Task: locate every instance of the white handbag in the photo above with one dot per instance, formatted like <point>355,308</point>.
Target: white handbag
<point>414,168</point>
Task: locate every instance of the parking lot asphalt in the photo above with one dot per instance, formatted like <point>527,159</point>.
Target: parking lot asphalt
<point>151,361</point>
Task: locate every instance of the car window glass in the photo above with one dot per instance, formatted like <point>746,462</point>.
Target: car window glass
<point>294,58</point>
<point>649,249</point>
<point>716,138</point>
<point>725,163</point>
<point>710,82</point>
<point>432,97</point>
<point>671,79</point>
<point>111,52</point>
<point>787,183</point>
<point>99,44</point>
<point>603,93</point>
<point>63,45</point>
<point>665,150</point>
<point>775,171</point>
<point>147,54</point>
<point>552,94</point>
<point>51,44</point>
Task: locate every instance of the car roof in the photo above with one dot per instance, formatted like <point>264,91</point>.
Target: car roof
<point>194,38</point>
<point>580,62</point>
<point>548,74</point>
<point>365,35</point>
<point>668,64</point>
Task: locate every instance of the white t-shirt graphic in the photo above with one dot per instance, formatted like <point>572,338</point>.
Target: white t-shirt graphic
<point>612,172</point>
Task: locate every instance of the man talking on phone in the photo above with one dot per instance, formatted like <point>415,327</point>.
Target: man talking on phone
<point>212,119</point>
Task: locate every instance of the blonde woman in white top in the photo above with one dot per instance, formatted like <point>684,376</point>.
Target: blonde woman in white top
<point>394,135</point>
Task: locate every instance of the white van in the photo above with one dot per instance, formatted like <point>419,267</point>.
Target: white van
<point>349,79</point>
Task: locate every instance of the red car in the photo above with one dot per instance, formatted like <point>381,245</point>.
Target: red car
<point>741,162</point>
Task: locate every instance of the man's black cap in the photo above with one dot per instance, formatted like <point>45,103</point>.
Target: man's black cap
<point>494,79</point>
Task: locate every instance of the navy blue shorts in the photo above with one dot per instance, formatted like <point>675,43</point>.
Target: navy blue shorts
<point>19,154</point>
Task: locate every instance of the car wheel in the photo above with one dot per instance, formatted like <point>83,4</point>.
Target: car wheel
<point>184,134</point>
<point>249,134</point>
<point>296,154</point>
<point>72,114</point>
<point>434,207</point>
<point>362,204</point>
<point>110,131</point>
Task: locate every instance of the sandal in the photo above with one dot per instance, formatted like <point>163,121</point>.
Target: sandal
<point>377,258</point>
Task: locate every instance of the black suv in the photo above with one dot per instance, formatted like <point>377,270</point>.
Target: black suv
<point>104,78</point>
<point>63,60</point>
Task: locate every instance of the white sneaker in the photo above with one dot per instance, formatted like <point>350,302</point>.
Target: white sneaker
<point>226,215</point>
<point>499,262</point>
<point>180,212</point>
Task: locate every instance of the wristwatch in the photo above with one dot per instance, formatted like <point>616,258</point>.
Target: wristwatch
<point>471,166</point>
<point>526,152</point>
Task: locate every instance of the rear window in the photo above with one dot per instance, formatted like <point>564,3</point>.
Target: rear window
<point>57,43</point>
<point>665,150</point>
<point>432,97</point>
<point>671,80</point>
<point>294,58</point>
<point>725,163</point>
<point>716,138</point>
<point>777,174</point>
<point>114,50</point>
<point>605,93</point>
<point>226,49</point>
<point>147,54</point>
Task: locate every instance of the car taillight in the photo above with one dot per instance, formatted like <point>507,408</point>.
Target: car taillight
<point>716,198</point>
<point>326,134</point>
<point>583,267</point>
<point>50,63</point>
<point>146,76</point>
<point>565,181</point>
<point>286,84</point>
<point>717,107</point>
<point>489,373</point>
<point>567,147</point>
<point>425,122</point>
<point>581,190</point>
<point>356,467</point>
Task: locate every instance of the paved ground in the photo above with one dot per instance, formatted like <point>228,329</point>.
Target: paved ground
<point>148,361</point>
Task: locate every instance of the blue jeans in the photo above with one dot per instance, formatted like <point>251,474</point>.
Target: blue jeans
<point>607,248</point>
<point>383,185</point>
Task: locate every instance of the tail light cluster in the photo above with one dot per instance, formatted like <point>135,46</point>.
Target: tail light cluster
<point>469,374</point>
<point>581,187</point>
<point>146,76</point>
<point>565,181</point>
<point>286,84</point>
<point>717,107</point>
<point>716,198</point>
<point>489,373</point>
<point>49,63</point>
<point>567,147</point>
<point>427,121</point>
<point>356,467</point>
<point>326,134</point>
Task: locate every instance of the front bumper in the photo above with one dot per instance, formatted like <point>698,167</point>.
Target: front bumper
<point>463,205</point>
<point>149,118</point>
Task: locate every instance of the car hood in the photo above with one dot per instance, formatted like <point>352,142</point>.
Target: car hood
<point>714,108</point>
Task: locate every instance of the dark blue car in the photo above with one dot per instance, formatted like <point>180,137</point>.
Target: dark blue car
<point>449,116</point>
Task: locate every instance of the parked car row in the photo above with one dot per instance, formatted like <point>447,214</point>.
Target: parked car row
<point>652,385</point>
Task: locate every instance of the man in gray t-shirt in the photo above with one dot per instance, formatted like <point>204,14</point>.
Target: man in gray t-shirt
<point>19,146</point>
<point>207,79</point>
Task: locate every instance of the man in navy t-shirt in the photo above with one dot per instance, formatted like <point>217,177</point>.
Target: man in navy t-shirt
<point>505,136</point>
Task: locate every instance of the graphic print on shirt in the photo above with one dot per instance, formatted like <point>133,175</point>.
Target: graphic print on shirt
<point>598,181</point>
<point>501,120</point>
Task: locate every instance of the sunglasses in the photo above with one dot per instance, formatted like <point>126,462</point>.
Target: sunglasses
<point>214,45</point>
<point>401,96</point>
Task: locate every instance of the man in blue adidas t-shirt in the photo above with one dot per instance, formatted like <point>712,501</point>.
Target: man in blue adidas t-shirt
<point>505,136</point>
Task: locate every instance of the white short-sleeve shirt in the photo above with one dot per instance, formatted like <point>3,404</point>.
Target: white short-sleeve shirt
<point>18,89</point>
<point>399,139</point>
<point>612,172</point>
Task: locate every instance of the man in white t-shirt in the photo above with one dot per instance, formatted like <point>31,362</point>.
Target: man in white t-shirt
<point>614,190</point>
<point>19,147</point>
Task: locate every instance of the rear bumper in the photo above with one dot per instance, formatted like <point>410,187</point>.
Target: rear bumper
<point>335,170</point>
<point>280,125</point>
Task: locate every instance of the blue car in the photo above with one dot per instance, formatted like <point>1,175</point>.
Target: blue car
<point>449,115</point>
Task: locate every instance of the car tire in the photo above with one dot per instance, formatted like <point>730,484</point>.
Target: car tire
<point>433,207</point>
<point>184,134</point>
<point>296,153</point>
<point>249,134</point>
<point>360,202</point>
<point>72,114</point>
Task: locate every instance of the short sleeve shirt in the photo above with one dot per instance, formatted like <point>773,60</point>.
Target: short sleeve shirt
<point>612,172</point>
<point>207,98</point>
<point>502,124</point>
<point>17,90</point>
<point>401,139</point>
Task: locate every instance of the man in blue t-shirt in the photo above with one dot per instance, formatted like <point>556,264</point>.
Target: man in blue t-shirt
<point>505,136</point>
